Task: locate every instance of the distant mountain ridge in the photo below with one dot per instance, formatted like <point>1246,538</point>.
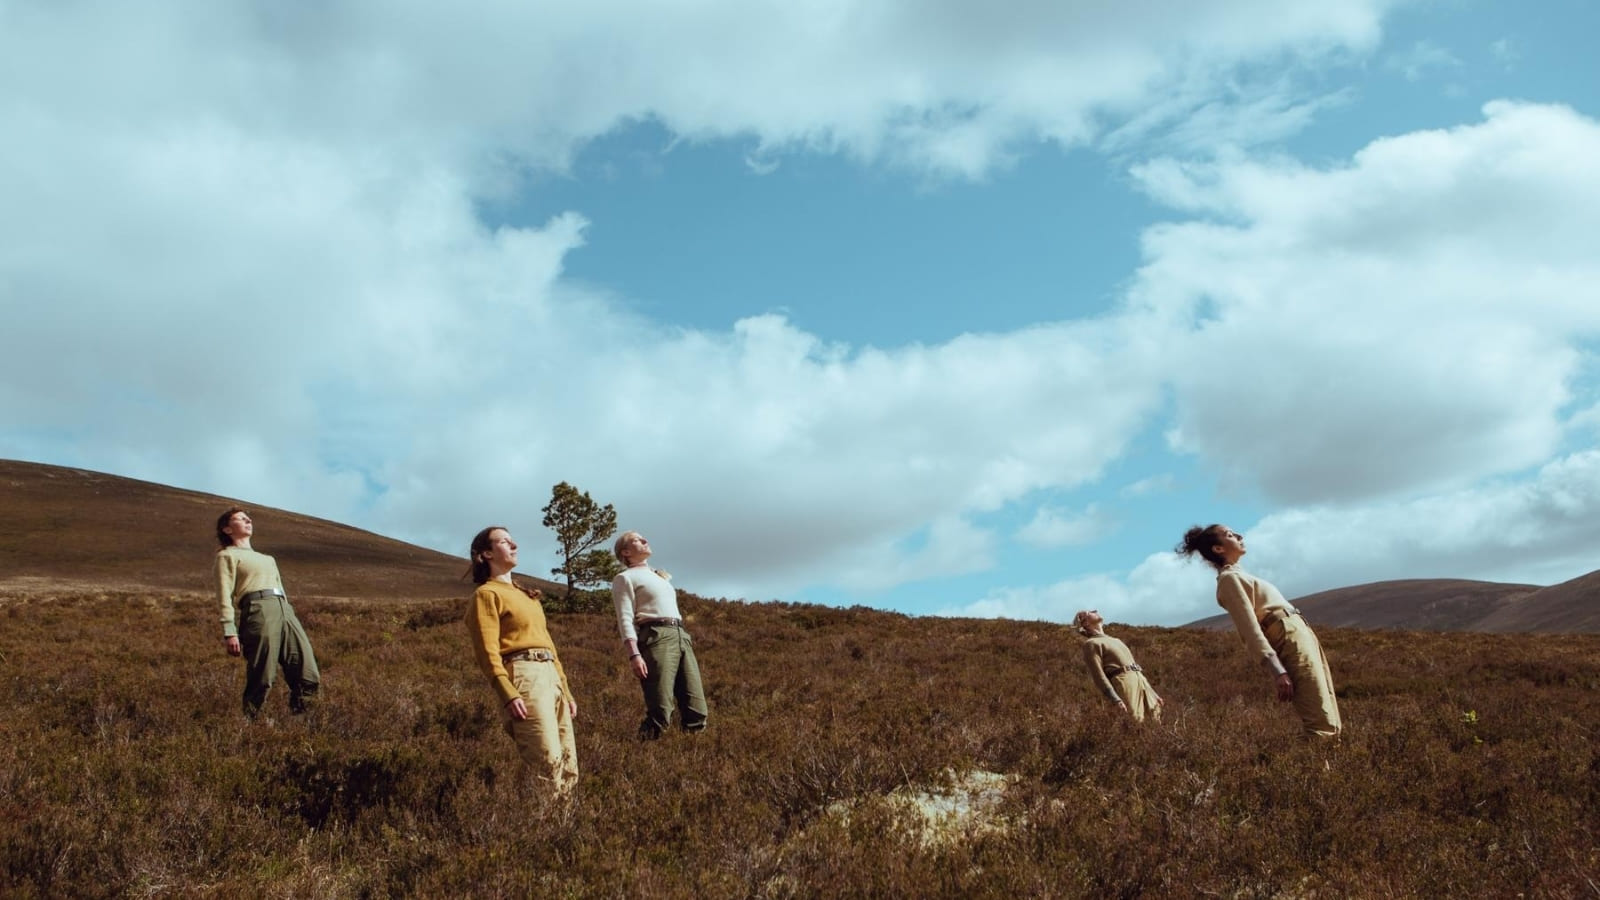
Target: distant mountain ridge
<point>63,527</point>
<point>1452,604</point>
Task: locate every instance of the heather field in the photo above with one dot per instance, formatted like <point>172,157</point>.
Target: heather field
<point>1470,768</point>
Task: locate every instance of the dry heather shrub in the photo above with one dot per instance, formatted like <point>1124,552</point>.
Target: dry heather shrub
<point>1469,768</point>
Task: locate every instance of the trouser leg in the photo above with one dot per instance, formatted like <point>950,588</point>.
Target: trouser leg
<point>687,689</point>
<point>662,655</point>
<point>1314,700</point>
<point>260,635</point>
<point>545,740</point>
<point>299,661</point>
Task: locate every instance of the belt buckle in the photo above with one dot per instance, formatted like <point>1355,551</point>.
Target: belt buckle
<point>535,654</point>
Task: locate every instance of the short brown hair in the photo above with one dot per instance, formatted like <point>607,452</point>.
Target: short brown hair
<point>222,524</point>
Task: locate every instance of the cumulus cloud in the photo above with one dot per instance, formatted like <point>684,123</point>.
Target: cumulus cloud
<point>1389,351</point>
<point>1411,321</point>
<point>951,87</point>
<point>1162,589</point>
<point>1535,530</point>
<point>1540,530</point>
<point>1052,528</point>
<point>243,253</point>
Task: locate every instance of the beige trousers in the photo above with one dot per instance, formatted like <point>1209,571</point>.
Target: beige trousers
<point>544,739</point>
<point>1138,695</point>
<point>1301,653</point>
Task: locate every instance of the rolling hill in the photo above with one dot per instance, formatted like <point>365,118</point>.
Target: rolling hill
<point>853,752</point>
<point>62,527</point>
<point>1451,604</point>
<point>1569,607</point>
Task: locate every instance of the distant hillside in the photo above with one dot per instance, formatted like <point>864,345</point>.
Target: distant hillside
<point>1451,604</point>
<point>63,527</point>
<point>1569,607</point>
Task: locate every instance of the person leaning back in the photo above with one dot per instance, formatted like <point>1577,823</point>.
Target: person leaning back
<point>266,632</point>
<point>1271,630</point>
<point>512,643</point>
<point>659,648</point>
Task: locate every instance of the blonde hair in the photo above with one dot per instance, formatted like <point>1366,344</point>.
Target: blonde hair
<point>1077,622</point>
<point>616,549</point>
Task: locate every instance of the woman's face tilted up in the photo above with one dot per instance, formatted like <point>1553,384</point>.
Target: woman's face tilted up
<point>502,553</point>
<point>239,526</point>
<point>635,549</point>
<point>1230,545</point>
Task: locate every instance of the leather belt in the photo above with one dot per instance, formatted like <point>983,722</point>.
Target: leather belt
<point>671,623</point>
<point>1279,614</point>
<point>257,595</point>
<point>537,654</point>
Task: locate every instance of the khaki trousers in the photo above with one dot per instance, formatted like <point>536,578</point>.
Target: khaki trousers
<point>1137,694</point>
<point>1301,654</point>
<point>544,739</point>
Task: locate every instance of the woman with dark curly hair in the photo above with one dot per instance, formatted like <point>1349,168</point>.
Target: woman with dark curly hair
<point>1271,629</point>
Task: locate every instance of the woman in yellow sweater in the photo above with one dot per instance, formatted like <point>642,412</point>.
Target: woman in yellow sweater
<point>514,648</point>
<point>1272,630</point>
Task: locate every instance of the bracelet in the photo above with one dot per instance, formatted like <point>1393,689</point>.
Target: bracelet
<point>635,656</point>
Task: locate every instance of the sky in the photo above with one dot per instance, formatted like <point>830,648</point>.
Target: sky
<point>946,307</point>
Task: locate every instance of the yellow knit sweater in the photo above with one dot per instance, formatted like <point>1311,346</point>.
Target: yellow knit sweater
<point>500,620</point>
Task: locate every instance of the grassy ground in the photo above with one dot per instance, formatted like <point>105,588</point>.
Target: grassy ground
<point>1470,767</point>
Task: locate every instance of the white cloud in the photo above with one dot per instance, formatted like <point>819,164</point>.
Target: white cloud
<point>951,87</point>
<point>1420,59</point>
<point>1537,530</point>
<point>1162,589</point>
<point>950,546</point>
<point>1542,530</point>
<point>1052,528</point>
<point>242,254</point>
<point>1151,486</point>
<point>1412,321</point>
<point>1386,351</point>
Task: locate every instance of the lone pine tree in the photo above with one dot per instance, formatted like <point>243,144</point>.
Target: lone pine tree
<point>581,525</point>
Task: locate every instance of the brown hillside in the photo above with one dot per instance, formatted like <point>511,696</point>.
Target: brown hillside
<point>840,761</point>
<point>1430,604</point>
<point>63,527</point>
<point>1571,606</point>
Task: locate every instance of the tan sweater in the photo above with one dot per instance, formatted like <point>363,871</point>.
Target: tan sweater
<point>502,619</point>
<point>1103,650</point>
<point>1248,600</point>
<point>241,571</point>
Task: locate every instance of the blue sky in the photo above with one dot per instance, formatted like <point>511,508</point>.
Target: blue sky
<point>945,307</point>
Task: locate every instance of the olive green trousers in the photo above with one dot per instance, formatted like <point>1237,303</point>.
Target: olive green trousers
<point>270,637</point>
